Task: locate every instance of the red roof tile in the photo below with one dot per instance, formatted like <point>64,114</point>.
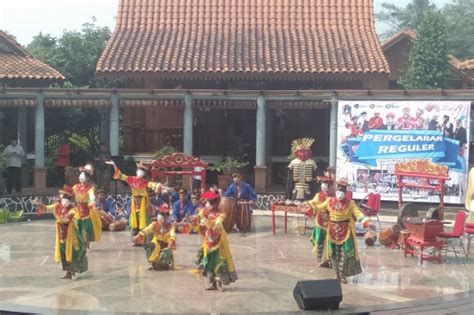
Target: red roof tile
<point>17,63</point>
<point>466,64</point>
<point>244,36</point>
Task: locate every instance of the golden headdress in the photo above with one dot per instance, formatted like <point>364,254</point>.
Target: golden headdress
<point>302,144</point>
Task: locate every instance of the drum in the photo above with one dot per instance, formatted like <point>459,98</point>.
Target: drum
<point>106,219</point>
<point>117,226</point>
<point>389,236</point>
<point>229,206</point>
<point>370,237</point>
<point>244,217</point>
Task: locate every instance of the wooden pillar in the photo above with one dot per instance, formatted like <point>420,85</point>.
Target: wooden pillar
<point>40,169</point>
<point>333,133</point>
<point>260,165</point>
<point>114,137</point>
<point>188,125</point>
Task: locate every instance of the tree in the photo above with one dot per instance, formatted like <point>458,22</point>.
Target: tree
<point>401,18</point>
<point>74,54</point>
<point>428,66</point>
<point>459,16</point>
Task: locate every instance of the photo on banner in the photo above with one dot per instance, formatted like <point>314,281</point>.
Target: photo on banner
<point>375,135</point>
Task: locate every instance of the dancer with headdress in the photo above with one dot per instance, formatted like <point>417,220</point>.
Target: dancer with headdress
<point>159,251</point>
<point>301,171</point>
<point>318,237</point>
<point>140,215</point>
<point>89,222</point>
<point>214,256</point>
<point>341,241</point>
<point>70,247</point>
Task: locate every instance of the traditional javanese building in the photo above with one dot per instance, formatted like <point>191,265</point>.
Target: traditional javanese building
<point>19,69</point>
<point>239,45</point>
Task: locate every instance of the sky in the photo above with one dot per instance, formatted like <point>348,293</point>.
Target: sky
<point>26,18</point>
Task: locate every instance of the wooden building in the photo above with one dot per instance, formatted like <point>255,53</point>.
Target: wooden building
<point>397,52</point>
<point>239,45</point>
<point>19,69</point>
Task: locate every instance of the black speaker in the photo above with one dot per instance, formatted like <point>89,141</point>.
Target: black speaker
<point>318,294</point>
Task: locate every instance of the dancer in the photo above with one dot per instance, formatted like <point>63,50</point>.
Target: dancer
<point>139,218</point>
<point>341,241</point>
<point>214,256</point>
<point>318,238</point>
<point>89,222</point>
<point>159,250</point>
<point>70,248</point>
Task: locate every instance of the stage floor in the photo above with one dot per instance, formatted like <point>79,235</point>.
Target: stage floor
<point>268,268</point>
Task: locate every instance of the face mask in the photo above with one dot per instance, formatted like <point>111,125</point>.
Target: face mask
<point>82,177</point>
<point>140,173</point>
<point>161,218</point>
<point>324,187</point>
<point>65,202</point>
<point>340,195</point>
<point>208,204</point>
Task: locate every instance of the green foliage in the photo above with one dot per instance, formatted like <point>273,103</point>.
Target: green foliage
<point>10,216</point>
<point>459,16</point>
<point>428,66</point>
<point>228,165</point>
<point>399,18</point>
<point>164,151</point>
<point>74,54</point>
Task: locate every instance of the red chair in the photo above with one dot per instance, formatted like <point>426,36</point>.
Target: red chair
<point>370,206</point>
<point>469,232</point>
<point>456,234</point>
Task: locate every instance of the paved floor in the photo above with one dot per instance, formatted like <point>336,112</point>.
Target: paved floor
<point>268,267</point>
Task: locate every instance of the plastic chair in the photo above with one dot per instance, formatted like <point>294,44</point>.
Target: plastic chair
<point>456,234</point>
<point>370,206</point>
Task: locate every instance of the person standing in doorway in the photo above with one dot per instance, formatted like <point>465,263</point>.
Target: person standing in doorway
<point>14,156</point>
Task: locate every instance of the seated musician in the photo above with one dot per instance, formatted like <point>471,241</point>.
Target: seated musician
<point>182,210</point>
<point>240,190</point>
<point>112,219</point>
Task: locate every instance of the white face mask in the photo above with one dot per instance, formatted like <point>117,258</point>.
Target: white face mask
<point>82,177</point>
<point>140,173</point>
<point>65,202</point>
<point>161,218</point>
<point>340,195</point>
<point>324,187</point>
<point>208,204</point>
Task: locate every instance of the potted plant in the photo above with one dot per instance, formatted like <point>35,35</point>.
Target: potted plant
<point>225,168</point>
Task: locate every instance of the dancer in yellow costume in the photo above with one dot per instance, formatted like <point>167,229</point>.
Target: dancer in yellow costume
<point>139,218</point>
<point>469,204</point>
<point>214,256</point>
<point>341,241</point>
<point>89,223</point>
<point>318,237</point>
<point>70,248</point>
<point>159,250</point>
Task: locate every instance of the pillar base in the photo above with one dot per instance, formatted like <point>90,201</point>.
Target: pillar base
<point>260,178</point>
<point>40,179</point>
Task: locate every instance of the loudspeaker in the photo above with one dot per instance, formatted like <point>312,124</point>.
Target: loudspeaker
<point>318,294</point>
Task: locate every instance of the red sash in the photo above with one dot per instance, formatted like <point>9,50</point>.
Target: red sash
<point>83,209</point>
<point>322,219</point>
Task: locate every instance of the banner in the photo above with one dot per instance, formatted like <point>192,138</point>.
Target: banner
<point>375,135</point>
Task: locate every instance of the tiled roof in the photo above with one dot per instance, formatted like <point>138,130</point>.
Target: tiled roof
<point>405,33</point>
<point>249,37</point>
<point>17,63</point>
<point>466,64</point>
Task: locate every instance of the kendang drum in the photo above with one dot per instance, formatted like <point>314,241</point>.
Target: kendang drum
<point>389,236</point>
<point>106,219</point>
<point>117,226</point>
<point>229,206</point>
<point>244,217</point>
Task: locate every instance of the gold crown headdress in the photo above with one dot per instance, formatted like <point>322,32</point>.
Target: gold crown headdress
<point>303,143</point>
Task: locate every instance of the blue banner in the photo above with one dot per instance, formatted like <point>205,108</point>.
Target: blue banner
<point>375,145</point>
